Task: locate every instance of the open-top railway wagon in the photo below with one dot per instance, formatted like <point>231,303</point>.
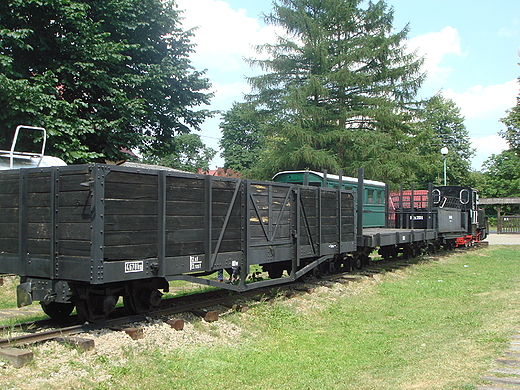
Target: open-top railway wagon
<point>86,235</point>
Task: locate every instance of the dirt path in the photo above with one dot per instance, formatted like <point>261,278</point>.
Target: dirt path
<point>503,239</point>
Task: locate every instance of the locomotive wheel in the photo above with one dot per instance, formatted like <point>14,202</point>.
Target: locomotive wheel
<point>449,245</point>
<point>57,311</point>
<point>142,300</point>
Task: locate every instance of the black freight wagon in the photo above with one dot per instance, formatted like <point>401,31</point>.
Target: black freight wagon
<point>86,235</point>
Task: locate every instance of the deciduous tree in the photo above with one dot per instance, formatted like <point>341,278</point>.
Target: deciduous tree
<point>512,122</point>
<point>99,75</point>
<point>243,136</point>
<point>502,175</point>
<point>190,154</point>
<point>440,124</point>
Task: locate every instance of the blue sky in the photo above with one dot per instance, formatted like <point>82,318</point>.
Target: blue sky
<point>471,50</point>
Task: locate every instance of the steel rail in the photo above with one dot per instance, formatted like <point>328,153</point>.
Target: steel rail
<point>121,321</point>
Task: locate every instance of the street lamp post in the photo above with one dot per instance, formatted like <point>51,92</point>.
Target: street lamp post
<point>444,152</point>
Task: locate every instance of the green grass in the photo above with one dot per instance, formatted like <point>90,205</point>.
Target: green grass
<point>435,325</point>
<point>8,292</point>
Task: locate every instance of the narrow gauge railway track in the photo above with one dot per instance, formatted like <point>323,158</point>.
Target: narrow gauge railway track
<point>169,306</point>
<point>120,312</point>
<point>185,303</point>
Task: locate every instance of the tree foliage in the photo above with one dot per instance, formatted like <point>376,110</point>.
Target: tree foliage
<point>190,154</point>
<point>502,176</point>
<point>100,75</point>
<point>512,122</point>
<point>340,87</point>
<point>243,136</point>
<point>439,125</point>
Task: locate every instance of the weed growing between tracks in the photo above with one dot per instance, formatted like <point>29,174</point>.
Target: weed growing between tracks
<point>435,325</point>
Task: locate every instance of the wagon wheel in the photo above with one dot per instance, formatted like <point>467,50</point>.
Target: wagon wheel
<point>142,300</point>
<point>407,252</point>
<point>365,260</point>
<point>57,311</point>
<point>348,263</point>
<point>95,308</point>
<point>333,266</point>
<point>275,272</point>
<point>416,251</point>
<point>323,268</point>
<point>387,252</point>
<point>85,309</point>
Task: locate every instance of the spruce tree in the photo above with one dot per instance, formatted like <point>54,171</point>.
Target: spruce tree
<point>341,86</point>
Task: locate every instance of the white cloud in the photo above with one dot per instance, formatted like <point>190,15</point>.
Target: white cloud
<point>229,92</point>
<point>435,46</point>
<point>507,32</point>
<point>485,101</point>
<point>224,36</point>
<point>485,147</point>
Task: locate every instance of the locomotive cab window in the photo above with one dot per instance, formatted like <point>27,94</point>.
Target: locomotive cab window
<point>464,196</point>
<point>436,196</point>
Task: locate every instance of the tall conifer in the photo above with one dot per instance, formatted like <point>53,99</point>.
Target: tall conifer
<point>341,85</point>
